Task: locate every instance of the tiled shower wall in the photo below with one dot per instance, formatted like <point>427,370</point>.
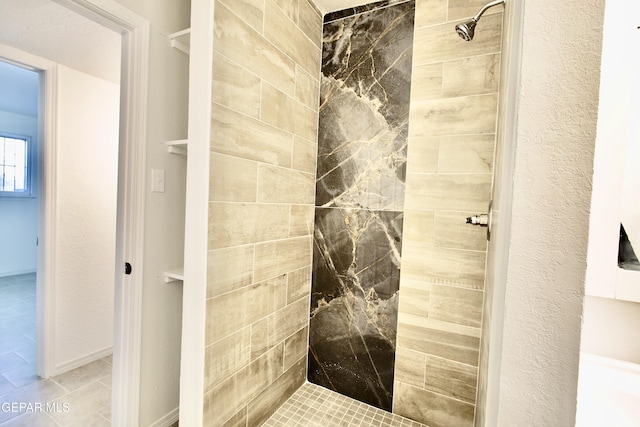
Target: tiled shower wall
<point>263,158</point>
<point>454,103</point>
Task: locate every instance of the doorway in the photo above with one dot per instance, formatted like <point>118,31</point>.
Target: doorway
<point>132,31</point>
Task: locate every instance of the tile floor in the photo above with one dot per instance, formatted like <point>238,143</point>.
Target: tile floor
<point>81,397</point>
<point>313,406</point>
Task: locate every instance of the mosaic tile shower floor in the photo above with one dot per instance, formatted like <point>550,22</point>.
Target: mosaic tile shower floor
<point>315,406</point>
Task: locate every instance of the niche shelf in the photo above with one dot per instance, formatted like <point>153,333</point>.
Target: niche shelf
<point>181,40</point>
<point>178,146</point>
<point>176,275</point>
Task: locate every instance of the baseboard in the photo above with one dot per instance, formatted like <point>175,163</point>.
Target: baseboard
<point>167,420</point>
<point>19,272</point>
<point>69,366</point>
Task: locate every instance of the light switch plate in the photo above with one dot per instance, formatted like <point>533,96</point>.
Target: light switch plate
<point>157,180</point>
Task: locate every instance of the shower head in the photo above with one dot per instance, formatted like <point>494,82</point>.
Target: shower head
<point>466,29</point>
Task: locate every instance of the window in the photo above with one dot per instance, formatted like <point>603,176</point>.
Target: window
<point>15,171</point>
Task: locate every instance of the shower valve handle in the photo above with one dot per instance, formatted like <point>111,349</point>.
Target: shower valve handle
<point>481,219</point>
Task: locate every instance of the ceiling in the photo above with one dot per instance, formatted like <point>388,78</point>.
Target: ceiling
<point>326,6</point>
<point>49,30</point>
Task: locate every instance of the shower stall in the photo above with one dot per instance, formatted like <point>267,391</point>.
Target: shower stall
<point>337,246</point>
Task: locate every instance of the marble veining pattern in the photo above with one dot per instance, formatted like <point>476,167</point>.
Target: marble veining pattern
<point>360,187</point>
<point>364,109</point>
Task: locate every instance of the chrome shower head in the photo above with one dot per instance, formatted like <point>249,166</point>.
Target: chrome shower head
<point>466,29</point>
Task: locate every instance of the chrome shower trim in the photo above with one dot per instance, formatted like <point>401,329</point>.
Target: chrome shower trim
<point>466,29</point>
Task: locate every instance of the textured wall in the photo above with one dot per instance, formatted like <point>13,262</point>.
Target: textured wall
<point>556,130</point>
<point>85,190</point>
<point>449,177</point>
<point>263,157</point>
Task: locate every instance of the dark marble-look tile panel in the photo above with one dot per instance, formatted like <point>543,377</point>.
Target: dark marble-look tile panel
<point>364,109</point>
<point>360,186</point>
<point>354,302</point>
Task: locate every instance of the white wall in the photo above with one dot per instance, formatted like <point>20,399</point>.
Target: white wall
<point>610,325</point>
<point>545,275</point>
<point>614,162</point>
<point>164,212</point>
<point>610,328</point>
<point>85,191</point>
<point>19,215</point>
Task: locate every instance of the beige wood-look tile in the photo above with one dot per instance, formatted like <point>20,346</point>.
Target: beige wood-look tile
<point>238,420</point>
<point>437,342</point>
<point>289,8</point>
<point>307,88</point>
<point>429,12</point>
<point>234,224</point>
<point>471,76</point>
<point>277,110</point>
<point>454,116</point>
<point>282,256</point>
<point>238,135</point>
<point>418,229</point>
<point>277,107</point>
<point>274,329</point>
<point>232,179</point>
<point>441,42</point>
<point>410,366</point>
<point>434,409</point>
<point>227,399</point>
<point>310,22</point>
<point>262,406</point>
<point>229,269</point>
<point>306,124</point>
<point>235,87</point>
<point>249,11</point>
<point>285,35</point>
<point>462,9</point>
<point>426,82</point>
<point>298,284</point>
<point>301,220</point>
<point>466,154</point>
<point>233,311</point>
<point>451,379</point>
<point>295,347</point>
<point>282,185</point>
<point>422,154</point>
<point>444,266</point>
<point>304,155</point>
<point>245,46</point>
<point>459,192</point>
<point>226,356</point>
<point>414,297</point>
<point>456,305</point>
<point>452,231</point>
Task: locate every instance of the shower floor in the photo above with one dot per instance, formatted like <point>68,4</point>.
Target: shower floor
<point>315,406</point>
